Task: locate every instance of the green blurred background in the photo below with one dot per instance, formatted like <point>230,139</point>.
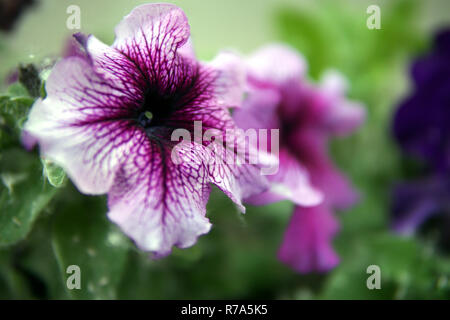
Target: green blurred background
<point>44,229</point>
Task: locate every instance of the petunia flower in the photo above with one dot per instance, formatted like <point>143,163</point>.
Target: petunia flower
<point>307,115</point>
<point>109,119</point>
<point>421,127</point>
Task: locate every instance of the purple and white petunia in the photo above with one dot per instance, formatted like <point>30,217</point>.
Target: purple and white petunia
<point>109,116</point>
<point>279,96</point>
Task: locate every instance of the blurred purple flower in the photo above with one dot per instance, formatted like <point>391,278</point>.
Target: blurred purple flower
<point>280,97</point>
<point>421,126</point>
<point>415,202</point>
<point>422,122</point>
<point>108,119</point>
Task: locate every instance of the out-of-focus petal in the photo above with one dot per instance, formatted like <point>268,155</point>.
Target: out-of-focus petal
<point>276,64</point>
<point>415,202</point>
<point>230,79</point>
<point>307,243</point>
<point>342,115</point>
<point>291,182</point>
<point>259,110</point>
<point>324,175</point>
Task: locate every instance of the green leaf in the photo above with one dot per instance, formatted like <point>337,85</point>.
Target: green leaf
<point>54,173</point>
<point>43,90</point>
<point>23,194</point>
<point>14,107</point>
<point>17,90</point>
<point>23,191</point>
<point>83,236</point>
<point>334,36</point>
<point>302,30</point>
<point>35,260</point>
<point>408,269</point>
<point>13,285</point>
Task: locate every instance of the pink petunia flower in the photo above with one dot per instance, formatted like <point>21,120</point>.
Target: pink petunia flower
<point>307,115</point>
<point>109,118</point>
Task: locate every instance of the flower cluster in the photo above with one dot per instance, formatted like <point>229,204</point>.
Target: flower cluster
<point>111,114</point>
<point>421,127</point>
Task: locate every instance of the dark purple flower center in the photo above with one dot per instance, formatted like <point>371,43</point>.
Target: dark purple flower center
<point>156,109</point>
<point>295,117</point>
<point>169,103</point>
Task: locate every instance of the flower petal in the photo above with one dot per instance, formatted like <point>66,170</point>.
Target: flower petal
<point>420,124</point>
<point>208,109</point>
<point>150,37</point>
<point>74,125</point>
<point>415,202</point>
<point>312,150</point>
<point>307,242</point>
<point>259,109</point>
<point>187,50</point>
<point>160,26</point>
<point>157,202</point>
<point>150,44</point>
<point>290,182</point>
<point>231,79</point>
<point>342,116</point>
<point>234,175</point>
<point>276,64</point>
